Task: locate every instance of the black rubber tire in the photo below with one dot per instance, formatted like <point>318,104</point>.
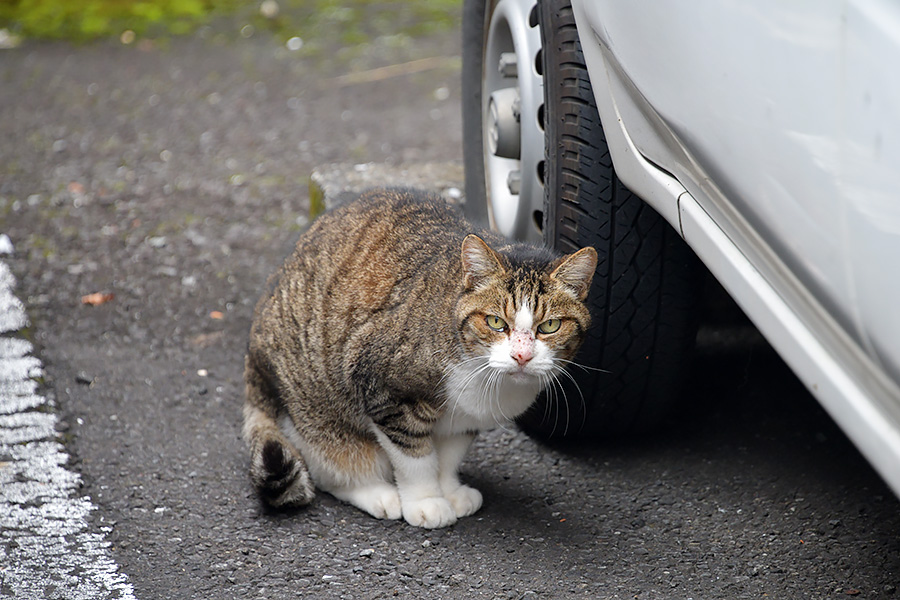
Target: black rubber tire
<point>644,294</point>
<point>474,30</point>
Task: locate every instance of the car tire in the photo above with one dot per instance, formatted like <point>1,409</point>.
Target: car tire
<point>643,296</point>
<point>475,206</point>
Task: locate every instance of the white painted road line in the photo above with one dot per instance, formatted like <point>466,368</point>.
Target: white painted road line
<point>47,548</point>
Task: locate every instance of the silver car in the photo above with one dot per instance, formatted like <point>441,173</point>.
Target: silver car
<point>762,138</point>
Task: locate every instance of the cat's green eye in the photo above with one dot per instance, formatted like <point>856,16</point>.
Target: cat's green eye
<point>495,323</point>
<point>549,326</point>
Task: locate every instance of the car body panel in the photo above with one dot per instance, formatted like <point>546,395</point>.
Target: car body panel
<point>769,131</point>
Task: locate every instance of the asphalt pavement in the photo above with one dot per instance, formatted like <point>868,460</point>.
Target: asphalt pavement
<point>148,191</point>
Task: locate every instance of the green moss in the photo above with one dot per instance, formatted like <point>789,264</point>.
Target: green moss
<point>28,332</point>
<point>82,20</point>
<point>347,21</point>
<point>44,247</point>
<point>68,232</point>
<point>316,199</point>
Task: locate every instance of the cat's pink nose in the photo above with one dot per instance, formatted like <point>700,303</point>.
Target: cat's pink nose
<point>521,346</point>
<point>522,356</point>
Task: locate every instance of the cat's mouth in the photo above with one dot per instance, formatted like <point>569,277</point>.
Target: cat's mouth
<point>521,375</point>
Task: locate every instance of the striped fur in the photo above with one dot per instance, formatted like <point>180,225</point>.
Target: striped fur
<point>352,348</point>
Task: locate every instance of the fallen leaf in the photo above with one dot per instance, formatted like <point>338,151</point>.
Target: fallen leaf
<point>216,315</point>
<point>852,592</point>
<point>207,339</point>
<point>75,188</point>
<point>97,298</point>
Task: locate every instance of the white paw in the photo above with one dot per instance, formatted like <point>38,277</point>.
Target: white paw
<point>429,513</point>
<point>465,501</point>
<point>381,500</point>
<point>387,504</point>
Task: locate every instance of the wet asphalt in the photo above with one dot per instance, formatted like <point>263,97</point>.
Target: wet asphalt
<point>173,178</point>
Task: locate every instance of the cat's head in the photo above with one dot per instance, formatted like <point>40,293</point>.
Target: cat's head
<point>523,307</point>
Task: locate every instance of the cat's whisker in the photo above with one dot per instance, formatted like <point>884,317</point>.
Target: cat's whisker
<point>496,385</point>
<point>575,383</point>
<point>565,397</point>
<point>547,389</point>
<point>456,404</point>
<point>492,393</point>
<point>476,375</point>
<point>506,418</point>
<point>448,370</point>
<point>554,384</point>
<point>485,393</point>
<point>464,384</point>
<point>577,388</point>
<point>581,366</point>
<point>549,392</point>
<point>496,400</point>
<point>465,361</point>
<point>557,405</point>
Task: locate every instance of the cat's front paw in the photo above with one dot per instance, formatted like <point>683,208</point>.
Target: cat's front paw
<point>380,499</point>
<point>465,501</point>
<point>387,504</point>
<point>429,513</point>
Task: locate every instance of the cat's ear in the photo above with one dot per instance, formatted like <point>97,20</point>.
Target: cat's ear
<point>479,261</point>
<point>575,271</point>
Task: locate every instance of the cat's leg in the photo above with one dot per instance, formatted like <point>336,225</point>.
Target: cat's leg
<point>451,450</point>
<point>416,475</point>
<point>351,468</point>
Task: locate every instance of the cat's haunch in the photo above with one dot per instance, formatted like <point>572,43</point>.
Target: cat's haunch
<point>392,335</point>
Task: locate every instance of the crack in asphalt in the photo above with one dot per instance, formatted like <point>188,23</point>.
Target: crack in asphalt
<point>47,547</point>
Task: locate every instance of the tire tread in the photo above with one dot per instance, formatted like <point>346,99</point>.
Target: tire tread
<point>642,299</point>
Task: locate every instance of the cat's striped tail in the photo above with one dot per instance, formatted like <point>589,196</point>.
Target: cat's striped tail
<point>277,469</point>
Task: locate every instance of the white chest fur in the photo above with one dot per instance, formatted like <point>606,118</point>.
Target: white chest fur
<point>481,397</point>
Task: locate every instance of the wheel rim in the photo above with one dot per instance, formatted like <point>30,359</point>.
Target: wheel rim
<point>512,97</point>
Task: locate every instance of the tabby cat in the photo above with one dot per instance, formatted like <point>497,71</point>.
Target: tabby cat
<point>389,338</point>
